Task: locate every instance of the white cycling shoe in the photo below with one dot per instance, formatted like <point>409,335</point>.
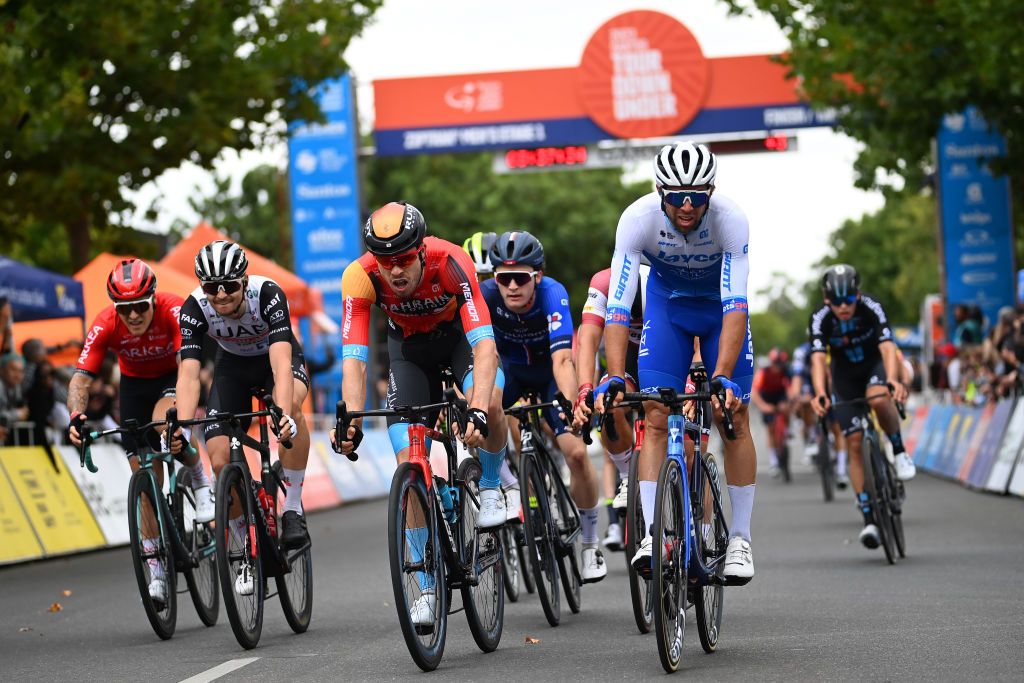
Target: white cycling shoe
<point>205,506</point>
<point>492,509</point>
<point>245,582</point>
<point>642,559</point>
<point>905,468</point>
<point>422,611</point>
<point>158,590</point>
<point>593,568</point>
<point>842,481</point>
<point>622,496</point>
<point>869,537</point>
<point>513,505</point>
<point>613,539</point>
<point>739,562</point>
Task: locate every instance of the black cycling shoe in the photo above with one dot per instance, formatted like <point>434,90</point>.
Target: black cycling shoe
<point>293,530</point>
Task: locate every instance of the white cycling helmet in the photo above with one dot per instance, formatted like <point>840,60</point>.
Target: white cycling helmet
<point>683,164</point>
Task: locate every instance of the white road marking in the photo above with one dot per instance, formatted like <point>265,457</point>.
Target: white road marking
<point>220,670</point>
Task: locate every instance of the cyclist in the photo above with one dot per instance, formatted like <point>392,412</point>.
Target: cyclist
<point>141,327</point>
<point>248,317</point>
<point>478,246</point>
<point>437,318</point>
<point>770,393</point>
<point>853,326</point>
<point>801,393</point>
<point>697,290</point>
<point>533,329</point>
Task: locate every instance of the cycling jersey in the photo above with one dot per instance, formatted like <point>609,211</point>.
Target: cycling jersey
<point>448,284</point>
<point>531,337</point>
<point>801,365</point>
<point>771,384</point>
<point>151,354</point>
<point>853,342</point>
<point>264,321</point>
<point>596,308</point>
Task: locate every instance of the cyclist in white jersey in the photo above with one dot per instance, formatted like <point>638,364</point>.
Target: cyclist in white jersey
<point>697,290</point>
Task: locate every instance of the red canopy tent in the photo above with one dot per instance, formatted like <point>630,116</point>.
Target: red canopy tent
<point>182,258</point>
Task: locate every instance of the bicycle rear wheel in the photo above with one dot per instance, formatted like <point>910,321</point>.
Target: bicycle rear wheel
<point>510,565</point>
<point>538,529</point>
<point>238,553</point>
<point>199,539</point>
<point>779,427</point>
<point>669,575</point>
<point>417,567</point>
<point>876,486</point>
<point>484,602</point>
<point>295,588</point>
<point>636,529</point>
<point>712,540</point>
<point>155,560</point>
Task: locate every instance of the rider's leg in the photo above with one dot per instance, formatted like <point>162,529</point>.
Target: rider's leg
<point>295,459</point>
<point>652,454</point>
<point>583,484</point>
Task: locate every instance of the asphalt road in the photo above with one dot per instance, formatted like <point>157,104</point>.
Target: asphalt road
<point>821,607</point>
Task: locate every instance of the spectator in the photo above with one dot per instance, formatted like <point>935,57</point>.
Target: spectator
<point>13,407</point>
<point>968,327</point>
<point>6,327</point>
<point>40,401</point>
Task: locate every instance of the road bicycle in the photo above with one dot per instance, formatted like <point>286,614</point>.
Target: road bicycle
<point>433,543</point>
<point>824,461</point>
<point>167,520</point>
<point>247,523</point>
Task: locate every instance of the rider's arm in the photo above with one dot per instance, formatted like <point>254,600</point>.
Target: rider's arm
<point>556,307</point>
<point>458,276</point>
<point>565,373</point>
<point>274,309</point>
<point>733,290</point>
<point>588,337</point>
<point>891,360</point>
<point>193,328</point>
<point>186,393</point>
<point>755,394</point>
<point>358,295</point>
<point>625,278</point>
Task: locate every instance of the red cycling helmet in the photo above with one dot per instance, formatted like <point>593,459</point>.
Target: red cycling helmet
<point>131,279</point>
<point>777,355</point>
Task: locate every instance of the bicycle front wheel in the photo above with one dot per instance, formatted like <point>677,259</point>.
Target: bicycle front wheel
<point>539,532</point>
<point>567,523</point>
<point>669,571</point>
<point>636,529</point>
<point>712,539</point>
<point>201,542</point>
<point>417,567</point>
<point>295,587</point>
<point>238,556</point>
<point>877,489</point>
<point>485,602</point>
<point>826,467</point>
<point>151,552</point>
<point>897,495</point>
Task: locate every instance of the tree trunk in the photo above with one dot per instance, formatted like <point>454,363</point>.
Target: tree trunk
<point>80,239</point>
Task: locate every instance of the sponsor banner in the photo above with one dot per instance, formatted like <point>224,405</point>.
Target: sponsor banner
<point>318,489</point>
<point>974,445</point>
<point>1009,451</point>
<point>364,478</point>
<point>938,422</point>
<point>912,435</point>
<point>60,516</point>
<point>105,492</point>
<point>20,542</point>
<point>989,448</point>
<point>1016,486</point>
<point>975,215</point>
<point>955,450</point>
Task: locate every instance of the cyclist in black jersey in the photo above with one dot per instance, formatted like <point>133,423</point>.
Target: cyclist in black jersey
<point>865,364</point>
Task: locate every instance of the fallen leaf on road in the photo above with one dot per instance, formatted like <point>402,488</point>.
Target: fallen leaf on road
<point>67,593</point>
<point>55,607</point>
<point>532,641</point>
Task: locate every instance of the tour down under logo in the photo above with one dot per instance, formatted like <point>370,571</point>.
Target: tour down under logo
<point>642,75</point>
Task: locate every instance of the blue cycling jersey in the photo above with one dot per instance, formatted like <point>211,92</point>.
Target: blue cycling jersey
<point>531,337</point>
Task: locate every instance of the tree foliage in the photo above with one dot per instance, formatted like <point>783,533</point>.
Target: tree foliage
<point>573,213</point>
<point>102,97</point>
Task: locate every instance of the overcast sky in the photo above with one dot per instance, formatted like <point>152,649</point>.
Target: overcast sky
<point>793,199</point>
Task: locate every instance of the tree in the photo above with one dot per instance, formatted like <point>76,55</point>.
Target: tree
<point>784,322</point>
<point>99,98</point>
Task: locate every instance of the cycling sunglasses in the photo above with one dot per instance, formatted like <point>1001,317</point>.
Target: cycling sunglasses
<point>520,277</point>
<point>697,198</point>
<point>227,286</point>
<point>401,260</point>
<point>848,300</point>
<point>129,307</point>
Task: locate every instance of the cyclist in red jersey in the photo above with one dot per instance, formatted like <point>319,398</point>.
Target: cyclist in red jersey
<point>141,328</point>
<point>770,393</point>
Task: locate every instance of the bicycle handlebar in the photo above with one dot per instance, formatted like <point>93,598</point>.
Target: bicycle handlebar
<point>129,427</point>
<point>673,399</point>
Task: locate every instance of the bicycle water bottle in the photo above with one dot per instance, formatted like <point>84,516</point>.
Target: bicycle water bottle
<point>267,503</point>
<point>447,499</point>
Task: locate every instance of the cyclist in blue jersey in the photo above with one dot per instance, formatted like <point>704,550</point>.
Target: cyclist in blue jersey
<point>697,290</point>
<point>533,330</point>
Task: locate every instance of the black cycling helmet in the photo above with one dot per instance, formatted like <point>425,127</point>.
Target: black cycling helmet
<point>394,228</point>
<point>221,260</point>
<point>840,281</point>
<point>518,246</point>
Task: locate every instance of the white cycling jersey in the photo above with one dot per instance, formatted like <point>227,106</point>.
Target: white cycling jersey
<point>709,264</point>
<point>264,320</point>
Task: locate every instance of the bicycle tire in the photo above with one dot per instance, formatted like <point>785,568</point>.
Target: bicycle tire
<point>826,468</point>
<point>201,579</point>
<point>897,498</point>
<point>537,528</point>
<point>295,588</point>
<point>636,528</point>
<point>408,493</point>
<point>709,598</point>
<point>669,571</point>
<point>873,484</point>
<point>484,602</point>
<point>569,553</point>
<point>245,612</point>
<point>519,540</point>
<point>510,565</point>
<point>787,475</point>
<point>141,488</point>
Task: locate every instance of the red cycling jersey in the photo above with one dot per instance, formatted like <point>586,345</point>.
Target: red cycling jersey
<point>448,285</point>
<point>152,354</point>
<point>771,382</point>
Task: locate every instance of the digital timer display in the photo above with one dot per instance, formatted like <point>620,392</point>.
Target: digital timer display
<point>544,157</point>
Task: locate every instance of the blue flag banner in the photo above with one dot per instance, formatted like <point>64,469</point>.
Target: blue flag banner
<point>37,294</point>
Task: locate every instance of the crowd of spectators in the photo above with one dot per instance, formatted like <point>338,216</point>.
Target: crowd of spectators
<point>976,368</point>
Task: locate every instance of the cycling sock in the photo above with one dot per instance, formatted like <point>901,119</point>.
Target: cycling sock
<point>490,478</point>
<point>588,524</point>
<point>742,500</point>
<point>621,461</point>
<point>156,569</point>
<point>863,502</point>
<point>896,439</point>
<point>773,457</point>
<point>841,463</point>
<point>293,490</point>
<point>417,540</point>
<point>199,476</point>
<point>648,495</point>
<point>508,480</point>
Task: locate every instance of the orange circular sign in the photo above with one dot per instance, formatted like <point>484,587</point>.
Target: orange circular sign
<point>642,75</point>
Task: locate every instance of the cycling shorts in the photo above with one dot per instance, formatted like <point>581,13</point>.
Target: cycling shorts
<point>774,398</point>
<point>236,377</point>
<point>417,362</point>
<point>139,396</point>
<point>666,347</point>
<point>852,382</point>
<point>540,379</point>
